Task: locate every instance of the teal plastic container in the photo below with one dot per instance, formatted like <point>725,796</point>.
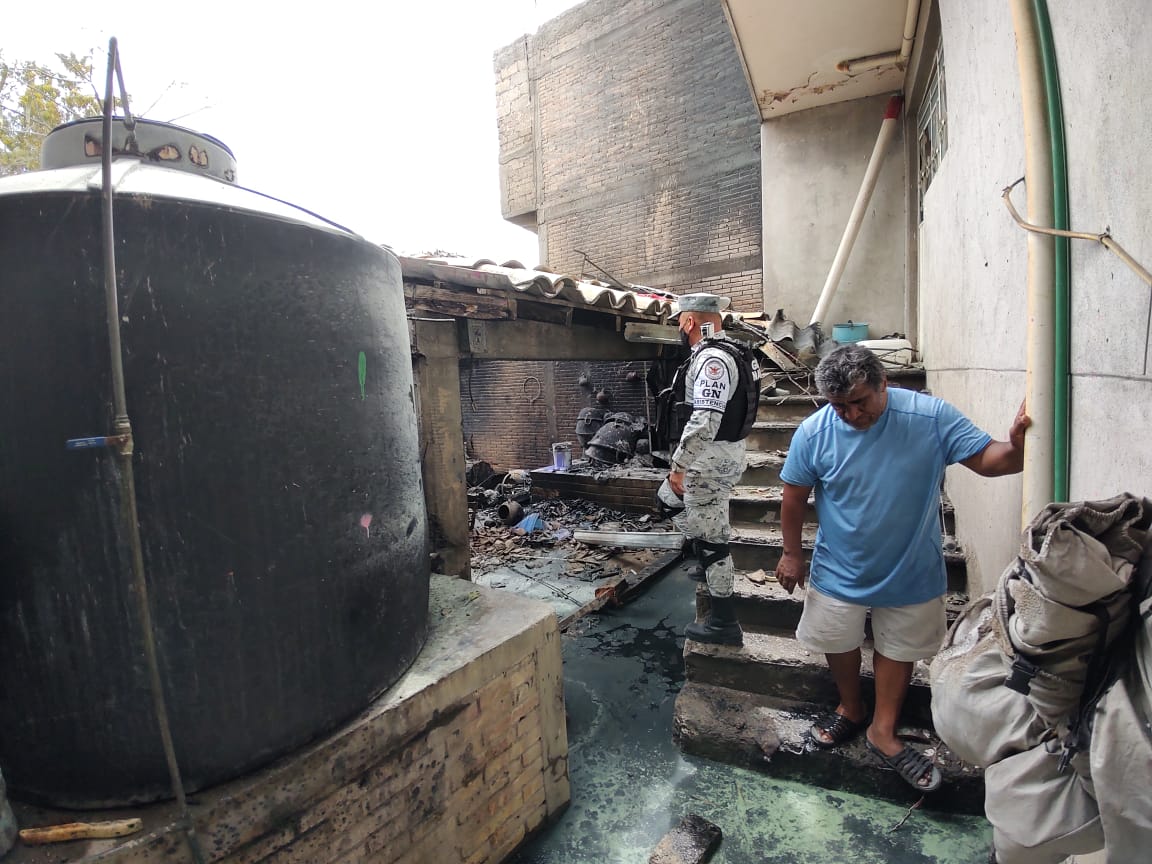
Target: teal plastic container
<point>853,331</point>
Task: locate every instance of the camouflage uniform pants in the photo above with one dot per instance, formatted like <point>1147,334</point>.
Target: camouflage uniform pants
<point>708,485</point>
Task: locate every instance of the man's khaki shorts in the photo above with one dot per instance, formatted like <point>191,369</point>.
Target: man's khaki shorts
<point>903,633</point>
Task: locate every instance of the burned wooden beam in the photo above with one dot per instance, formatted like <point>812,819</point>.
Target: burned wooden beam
<point>441,300</point>
<point>538,340</point>
<point>620,590</point>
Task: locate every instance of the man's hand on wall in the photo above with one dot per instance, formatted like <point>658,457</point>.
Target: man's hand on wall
<point>1019,425</point>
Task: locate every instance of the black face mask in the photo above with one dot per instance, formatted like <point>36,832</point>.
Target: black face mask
<point>684,339</point>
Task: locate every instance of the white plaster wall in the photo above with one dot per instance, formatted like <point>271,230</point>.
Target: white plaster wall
<point>813,163</point>
<point>1103,51</point>
<point>972,267</point>
<point>973,258</point>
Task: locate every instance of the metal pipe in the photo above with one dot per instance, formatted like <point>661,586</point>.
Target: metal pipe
<point>119,402</point>
<point>887,132</point>
<point>1062,271</point>
<point>1038,458</point>
<point>123,434</point>
<point>1104,239</point>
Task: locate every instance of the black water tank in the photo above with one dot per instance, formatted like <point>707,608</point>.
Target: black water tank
<point>281,508</point>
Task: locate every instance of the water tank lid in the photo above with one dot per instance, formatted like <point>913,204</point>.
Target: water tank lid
<point>165,144</point>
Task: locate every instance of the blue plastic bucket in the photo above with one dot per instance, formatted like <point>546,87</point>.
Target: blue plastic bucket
<point>850,332</point>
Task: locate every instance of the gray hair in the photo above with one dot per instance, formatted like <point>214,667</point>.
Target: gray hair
<point>847,366</point>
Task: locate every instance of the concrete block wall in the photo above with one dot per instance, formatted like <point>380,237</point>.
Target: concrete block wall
<point>513,411</point>
<point>814,162</point>
<point>645,142</point>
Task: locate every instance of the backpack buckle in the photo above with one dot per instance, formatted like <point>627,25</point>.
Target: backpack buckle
<point>1023,671</point>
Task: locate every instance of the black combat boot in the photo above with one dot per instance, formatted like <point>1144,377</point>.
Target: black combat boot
<point>692,562</point>
<point>720,627</point>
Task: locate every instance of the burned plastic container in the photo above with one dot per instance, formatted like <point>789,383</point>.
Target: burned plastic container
<point>615,442</point>
<point>281,508</point>
<point>588,423</point>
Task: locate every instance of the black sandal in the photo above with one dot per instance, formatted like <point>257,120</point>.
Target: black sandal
<point>837,727</point>
<point>914,767</point>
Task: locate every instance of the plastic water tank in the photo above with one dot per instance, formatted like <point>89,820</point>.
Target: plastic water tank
<point>281,509</point>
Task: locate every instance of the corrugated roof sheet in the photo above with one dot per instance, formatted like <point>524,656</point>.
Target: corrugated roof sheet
<point>638,300</point>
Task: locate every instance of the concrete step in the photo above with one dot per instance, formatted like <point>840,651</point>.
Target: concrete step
<point>765,606</point>
<point>755,504</point>
<point>771,735</point>
<point>759,606</point>
<point>785,408</point>
<point>804,400</point>
<point>763,468</point>
<point>772,663</point>
<point>771,436</point>
<point>760,505</point>
<point>758,546</point>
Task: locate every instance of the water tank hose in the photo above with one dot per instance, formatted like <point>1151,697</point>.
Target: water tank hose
<point>122,438</point>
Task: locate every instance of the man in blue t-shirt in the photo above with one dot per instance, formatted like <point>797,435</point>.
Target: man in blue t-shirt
<point>876,457</point>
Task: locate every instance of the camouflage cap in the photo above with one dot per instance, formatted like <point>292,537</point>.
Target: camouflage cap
<point>702,303</point>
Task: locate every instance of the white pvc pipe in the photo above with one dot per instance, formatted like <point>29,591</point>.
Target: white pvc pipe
<point>890,58</point>
<point>911,18</point>
<point>863,197</point>
<point>1041,352</point>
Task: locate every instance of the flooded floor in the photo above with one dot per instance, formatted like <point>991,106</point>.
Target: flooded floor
<point>630,784</point>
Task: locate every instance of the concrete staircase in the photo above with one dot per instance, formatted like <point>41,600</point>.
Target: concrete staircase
<point>753,705</point>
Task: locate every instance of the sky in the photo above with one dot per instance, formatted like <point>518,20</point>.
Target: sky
<point>380,117</point>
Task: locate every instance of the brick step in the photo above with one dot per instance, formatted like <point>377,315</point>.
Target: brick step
<point>759,546</point>
<point>765,606</point>
<point>755,504</point>
<point>763,468</point>
<point>771,735</point>
<point>772,663</point>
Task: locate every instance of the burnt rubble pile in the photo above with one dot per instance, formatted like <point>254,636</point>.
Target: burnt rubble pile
<point>546,528</point>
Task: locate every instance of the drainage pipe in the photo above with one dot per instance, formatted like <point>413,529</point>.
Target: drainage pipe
<point>1062,272</point>
<point>887,132</point>
<point>1038,449</point>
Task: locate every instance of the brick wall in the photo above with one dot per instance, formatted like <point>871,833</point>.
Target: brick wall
<point>464,791</point>
<point>515,121</point>
<point>513,411</point>
<point>644,144</point>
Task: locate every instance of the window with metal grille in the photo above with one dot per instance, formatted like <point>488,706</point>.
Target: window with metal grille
<point>931,129</point>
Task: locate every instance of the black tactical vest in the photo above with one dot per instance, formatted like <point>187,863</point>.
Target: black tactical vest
<point>674,406</point>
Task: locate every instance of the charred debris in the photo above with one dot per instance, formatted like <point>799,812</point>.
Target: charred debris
<point>521,535</point>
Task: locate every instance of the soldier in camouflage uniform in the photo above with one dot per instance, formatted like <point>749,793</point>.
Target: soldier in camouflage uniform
<point>705,470</point>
